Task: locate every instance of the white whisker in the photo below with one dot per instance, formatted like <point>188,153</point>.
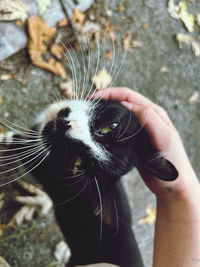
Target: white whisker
<point>68,200</point>
<point>26,172</point>
<point>15,168</point>
<point>101,208</point>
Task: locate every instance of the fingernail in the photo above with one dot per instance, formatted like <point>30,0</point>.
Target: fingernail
<point>127,105</point>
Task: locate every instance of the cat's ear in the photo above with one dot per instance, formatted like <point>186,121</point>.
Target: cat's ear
<point>159,167</point>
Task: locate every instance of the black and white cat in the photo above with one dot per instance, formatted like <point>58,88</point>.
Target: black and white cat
<point>87,147</point>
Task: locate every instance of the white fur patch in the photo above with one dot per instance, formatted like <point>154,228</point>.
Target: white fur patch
<point>79,117</point>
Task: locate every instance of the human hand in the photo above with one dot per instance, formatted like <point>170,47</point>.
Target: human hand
<point>165,138</point>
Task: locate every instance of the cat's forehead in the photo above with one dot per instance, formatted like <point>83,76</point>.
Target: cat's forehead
<point>77,109</point>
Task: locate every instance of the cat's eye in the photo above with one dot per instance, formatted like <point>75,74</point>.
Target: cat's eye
<point>109,128</point>
<point>77,165</point>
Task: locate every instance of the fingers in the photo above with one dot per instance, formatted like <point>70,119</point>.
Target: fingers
<point>158,130</point>
<point>132,100</point>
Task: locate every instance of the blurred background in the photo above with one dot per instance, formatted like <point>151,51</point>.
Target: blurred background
<point>150,46</point>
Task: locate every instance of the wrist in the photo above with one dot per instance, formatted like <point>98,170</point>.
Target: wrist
<point>180,203</point>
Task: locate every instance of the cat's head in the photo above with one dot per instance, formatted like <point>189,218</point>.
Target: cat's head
<point>101,138</point>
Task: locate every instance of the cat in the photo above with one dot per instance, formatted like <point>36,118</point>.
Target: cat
<point>87,146</point>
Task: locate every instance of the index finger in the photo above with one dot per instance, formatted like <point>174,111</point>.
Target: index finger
<point>124,94</point>
<point>136,100</point>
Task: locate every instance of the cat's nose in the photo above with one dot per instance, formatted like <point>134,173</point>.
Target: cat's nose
<point>62,124</point>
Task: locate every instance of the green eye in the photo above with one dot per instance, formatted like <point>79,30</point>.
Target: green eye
<point>77,165</point>
<point>109,128</point>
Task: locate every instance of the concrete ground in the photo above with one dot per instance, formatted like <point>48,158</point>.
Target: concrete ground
<point>33,243</point>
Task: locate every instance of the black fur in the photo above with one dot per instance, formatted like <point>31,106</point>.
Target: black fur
<point>76,199</point>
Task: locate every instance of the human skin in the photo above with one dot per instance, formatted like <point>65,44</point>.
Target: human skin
<point>177,227</point>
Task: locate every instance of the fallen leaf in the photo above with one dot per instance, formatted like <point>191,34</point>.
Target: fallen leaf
<point>40,202</point>
<point>164,69</point>
<point>137,44</point>
<point>196,48</point>
<point>126,41</point>
<point>78,17</point>
<point>173,9</point>
<point>5,136</point>
<point>40,33</point>
<point>197,19</point>
<point>110,30</point>
<point>13,10</point>
<point>144,26</point>
<point>25,213</point>
<point>67,88</point>
<point>89,30</point>
<point>121,8</point>
<point>187,19</point>
<point>109,55</point>
<point>194,97</point>
<point>57,50</point>
<point>5,77</point>
<point>187,39</point>
<point>20,22</point>
<point>3,262</point>
<point>102,79</point>
<point>63,22</point>
<point>2,130</point>
<point>151,216</point>
<point>62,252</point>
<point>42,5</point>
<point>41,199</point>
<point>1,100</point>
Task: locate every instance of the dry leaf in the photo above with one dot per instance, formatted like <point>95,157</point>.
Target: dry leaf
<point>102,79</point>
<point>164,69</point>
<point>137,44</point>
<point>5,77</point>
<point>187,39</point>
<point>41,199</point>
<point>110,30</point>
<point>196,48</point>
<point>5,136</point>
<point>151,216</point>
<point>67,88</point>
<point>40,202</point>
<point>1,99</point>
<point>144,26</point>
<point>2,130</point>
<point>193,98</point>
<point>57,50</point>
<point>13,10</point>
<point>126,41</point>
<point>25,213</point>
<point>197,19</point>
<point>109,55</point>
<point>63,22</point>
<point>62,252</point>
<point>173,9</point>
<point>187,19</point>
<point>184,38</point>
<point>121,8</point>
<point>78,17</point>
<point>3,262</point>
<point>40,33</point>
<point>42,5</point>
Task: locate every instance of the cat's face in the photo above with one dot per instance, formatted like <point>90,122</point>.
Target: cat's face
<point>103,139</point>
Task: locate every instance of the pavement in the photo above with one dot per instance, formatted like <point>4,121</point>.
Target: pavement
<point>159,69</point>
